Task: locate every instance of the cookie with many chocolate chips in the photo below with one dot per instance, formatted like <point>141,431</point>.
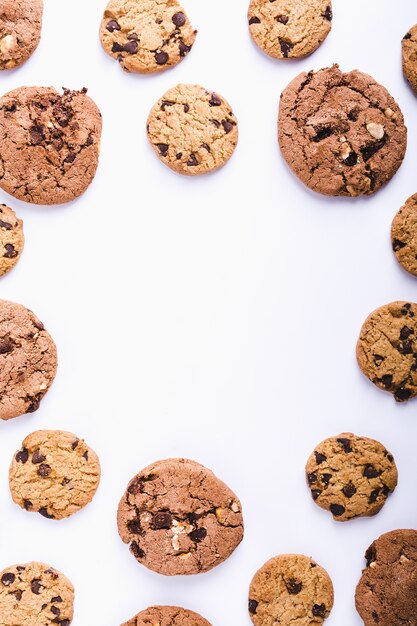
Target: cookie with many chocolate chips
<point>404,235</point>
<point>179,518</point>
<point>288,29</point>
<point>20,31</point>
<point>49,144</point>
<point>387,349</point>
<point>192,130</point>
<point>54,473</point>
<point>28,360</point>
<point>409,57</point>
<point>351,476</point>
<point>290,589</point>
<point>146,35</point>
<point>11,239</point>
<point>167,616</point>
<point>35,594</point>
<point>386,594</point>
<point>341,133</point>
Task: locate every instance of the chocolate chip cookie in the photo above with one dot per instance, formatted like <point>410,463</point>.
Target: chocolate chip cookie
<point>179,518</point>
<point>290,589</point>
<point>54,473</point>
<point>11,239</point>
<point>386,594</point>
<point>192,130</point>
<point>146,35</point>
<point>20,31</point>
<point>351,476</point>
<point>387,349</point>
<point>167,616</point>
<point>49,144</point>
<point>341,133</point>
<point>404,235</point>
<point>288,29</point>
<point>28,360</point>
<point>35,594</point>
<point>409,57</point>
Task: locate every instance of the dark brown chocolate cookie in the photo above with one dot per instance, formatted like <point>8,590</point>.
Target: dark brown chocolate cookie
<point>20,31</point>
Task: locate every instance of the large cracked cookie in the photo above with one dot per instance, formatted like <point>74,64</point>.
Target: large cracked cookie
<point>341,133</point>
<point>387,349</point>
<point>28,360</point>
<point>404,235</point>
<point>35,594</point>
<point>167,616</point>
<point>351,476</point>
<point>409,57</point>
<point>146,35</point>
<point>290,589</point>
<point>179,518</point>
<point>20,31</point>
<point>49,144</point>
<point>11,239</point>
<point>386,594</point>
<point>287,29</point>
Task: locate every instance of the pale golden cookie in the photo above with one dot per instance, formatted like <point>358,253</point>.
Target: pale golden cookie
<point>11,239</point>
<point>409,57</point>
<point>404,235</point>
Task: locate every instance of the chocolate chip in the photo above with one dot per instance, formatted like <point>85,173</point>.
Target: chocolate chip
<point>328,13</point>
<point>402,394</point>
<point>36,135</point>
<point>215,101</point>
<point>405,347</point>
<point>22,456</point>
<point>37,457</point>
<point>166,103</point>
<point>117,47</point>
<point>216,123</point>
<point>179,19</point>
<point>75,444</point>
<point>374,495</point>
<point>161,58</point>
<point>389,456</point>
<point>5,225</point>
<point>70,158</point>
<point>34,403</point>
<point>351,159</point>
<point>133,37</point>
<point>184,49</point>
<point>134,527</point>
<point>44,470</point>
<point>406,332</point>
<point>293,587</point>
<point>192,161</point>
<point>378,359</point>
<point>136,551</point>
<point>282,19</point>
<point>345,443</point>
<point>162,520</point>
<point>371,472</point>
<point>254,20</point>
<point>56,600</point>
<point>85,455</point>
<point>325,478</point>
<point>178,156</point>
<point>198,535</point>
<point>8,579</point>
<point>62,114</point>
<point>186,108</point>
<point>253,606</point>
<point>17,594</point>
<point>112,26</point>
<point>322,133</point>
<point>319,610</point>
<point>27,504</point>
<point>349,490</point>
<point>337,509</point>
<point>320,458</point>
<point>163,148</point>
<point>55,610</point>
<point>407,36</point>
<point>135,487</point>
<point>286,47</point>
<point>131,47</point>
<point>353,115</point>
<point>312,478</point>
<point>36,586</point>
<point>315,493</point>
<point>44,512</point>
<point>5,346</point>
<point>372,148</point>
<point>386,380</point>
<point>228,126</point>
<point>10,253</point>
<point>370,555</point>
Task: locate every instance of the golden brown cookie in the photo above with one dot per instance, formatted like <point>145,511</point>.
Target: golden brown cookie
<point>404,235</point>
<point>20,31</point>
<point>409,57</point>
<point>290,589</point>
<point>167,616</point>
<point>11,239</point>
<point>192,130</point>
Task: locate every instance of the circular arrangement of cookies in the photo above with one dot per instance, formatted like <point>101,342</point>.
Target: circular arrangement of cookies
<point>341,133</point>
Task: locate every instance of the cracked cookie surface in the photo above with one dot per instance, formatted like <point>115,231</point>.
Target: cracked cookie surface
<point>54,473</point>
<point>351,476</point>
<point>35,594</point>
<point>49,144</point>
<point>292,590</point>
<point>386,594</point>
<point>11,239</point>
<point>192,130</point>
<point>287,29</point>
<point>28,360</point>
<point>342,134</point>
<point>409,57</point>
<point>167,616</point>
<point>179,518</point>
<point>20,31</point>
<point>404,235</point>
<point>387,349</point>
<point>146,35</point>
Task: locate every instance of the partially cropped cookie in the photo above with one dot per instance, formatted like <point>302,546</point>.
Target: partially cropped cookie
<point>35,594</point>
<point>20,31</point>
<point>290,589</point>
<point>11,239</point>
<point>386,594</point>
<point>28,360</point>
<point>387,349</point>
<point>409,57</point>
<point>49,144</point>
<point>54,473</point>
<point>341,133</point>
<point>179,518</point>
<point>192,130</point>
<point>167,616</point>
<point>288,29</point>
<point>351,476</point>
<point>146,36</point>
<point>404,235</point>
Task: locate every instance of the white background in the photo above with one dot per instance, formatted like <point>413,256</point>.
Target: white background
<point>211,317</point>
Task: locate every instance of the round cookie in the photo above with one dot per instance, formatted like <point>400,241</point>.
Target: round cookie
<point>49,144</point>
<point>28,360</point>
<point>351,476</point>
<point>387,349</point>
<point>11,239</point>
<point>54,473</point>
<point>192,130</point>
<point>288,29</point>
<point>341,134</point>
<point>20,31</point>
<point>404,235</point>
<point>409,57</point>
<point>146,36</point>
<point>35,594</point>
<point>387,591</point>
<point>167,616</point>
<point>290,589</point>
<point>179,518</point>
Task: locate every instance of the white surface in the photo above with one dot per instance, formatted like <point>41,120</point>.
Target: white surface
<point>213,318</point>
